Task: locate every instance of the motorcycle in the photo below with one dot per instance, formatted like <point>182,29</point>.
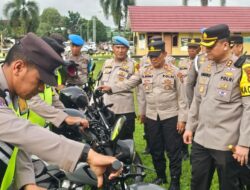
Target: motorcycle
<point>103,133</point>
<point>51,178</point>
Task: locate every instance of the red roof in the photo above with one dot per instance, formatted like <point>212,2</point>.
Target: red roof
<point>187,18</point>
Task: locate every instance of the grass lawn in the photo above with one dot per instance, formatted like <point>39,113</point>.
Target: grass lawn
<point>147,161</point>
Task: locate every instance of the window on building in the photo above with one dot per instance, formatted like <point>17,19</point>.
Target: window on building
<point>175,40</point>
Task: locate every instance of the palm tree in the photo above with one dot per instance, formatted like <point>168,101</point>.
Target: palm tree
<point>185,2</point>
<point>22,14</point>
<point>223,3</point>
<point>117,8</point>
<point>204,2</point>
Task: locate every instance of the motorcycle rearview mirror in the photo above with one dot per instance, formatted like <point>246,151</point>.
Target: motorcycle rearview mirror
<point>115,133</point>
<point>71,71</point>
<point>91,67</point>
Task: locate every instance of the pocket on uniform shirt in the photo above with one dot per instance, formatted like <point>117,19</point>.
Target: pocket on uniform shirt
<point>168,83</point>
<point>147,84</point>
<point>105,77</point>
<point>203,85</point>
<point>224,91</point>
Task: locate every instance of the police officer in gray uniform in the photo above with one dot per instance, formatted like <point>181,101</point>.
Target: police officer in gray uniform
<point>79,58</point>
<point>166,111</point>
<point>192,76</point>
<point>28,65</point>
<point>53,112</point>
<point>219,115</point>
<point>120,68</point>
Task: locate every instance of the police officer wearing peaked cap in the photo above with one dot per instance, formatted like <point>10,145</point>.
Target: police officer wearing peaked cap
<point>33,62</point>
<point>185,65</point>
<point>115,70</point>
<point>219,115</point>
<point>236,44</point>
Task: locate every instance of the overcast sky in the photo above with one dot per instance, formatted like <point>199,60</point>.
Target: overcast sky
<point>88,8</point>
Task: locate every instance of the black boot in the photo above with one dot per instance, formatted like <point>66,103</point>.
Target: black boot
<point>175,183</point>
<point>159,181</point>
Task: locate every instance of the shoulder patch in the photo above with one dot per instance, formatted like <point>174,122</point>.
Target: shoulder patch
<point>245,80</point>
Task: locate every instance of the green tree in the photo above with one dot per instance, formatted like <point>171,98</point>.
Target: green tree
<point>51,16</point>
<point>72,22</point>
<point>23,15</point>
<point>118,9</point>
<point>205,2</point>
<point>101,30</point>
<point>50,21</point>
<point>185,2</point>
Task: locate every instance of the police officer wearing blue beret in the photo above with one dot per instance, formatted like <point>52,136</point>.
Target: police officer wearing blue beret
<point>115,70</point>
<point>83,60</point>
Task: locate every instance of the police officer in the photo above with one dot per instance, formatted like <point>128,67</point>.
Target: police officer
<point>219,114</point>
<point>120,68</point>
<point>80,58</point>
<point>28,65</point>
<point>236,44</point>
<point>46,106</point>
<point>185,66</point>
<point>144,62</point>
<point>166,111</point>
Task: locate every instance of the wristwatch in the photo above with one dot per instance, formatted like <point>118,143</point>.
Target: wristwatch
<point>85,153</point>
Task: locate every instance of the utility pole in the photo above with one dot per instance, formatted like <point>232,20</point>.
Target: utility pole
<point>88,31</point>
<point>94,28</point>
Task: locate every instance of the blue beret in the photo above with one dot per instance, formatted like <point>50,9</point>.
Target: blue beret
<point>118,40</point>
<point>76,39</point>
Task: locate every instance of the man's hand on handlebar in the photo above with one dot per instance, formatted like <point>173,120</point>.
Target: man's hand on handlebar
<point>105,88</point>
<point>99,163</point>
<point>70,120</point>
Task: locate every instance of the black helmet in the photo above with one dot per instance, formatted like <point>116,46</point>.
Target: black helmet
<point>74,97</point>
<point>59,49</point>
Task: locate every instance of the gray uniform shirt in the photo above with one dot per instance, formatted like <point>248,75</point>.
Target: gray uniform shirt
<point>52,113</point>
<point>35,140</point>
<point>163,92</point>
<point>114,73</point>
<point>219,116</point>
<point>82,69</point>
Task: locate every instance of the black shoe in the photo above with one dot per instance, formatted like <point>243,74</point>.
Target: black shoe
<point>175,183</point>
<point>174,186</point>
<point>159,181</point>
